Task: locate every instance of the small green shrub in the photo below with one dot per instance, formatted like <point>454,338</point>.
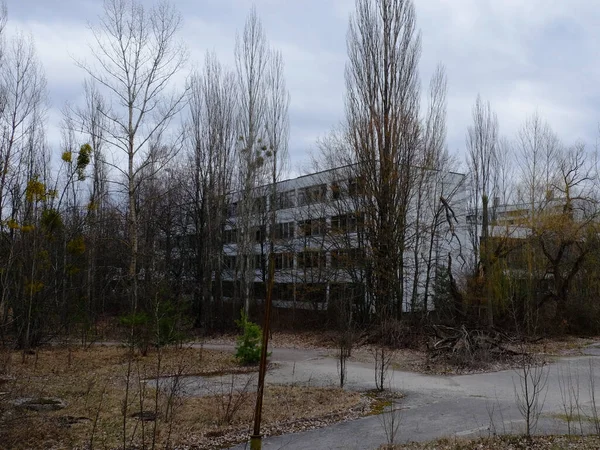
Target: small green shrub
<point>139,324</point>
<point>249,344</point>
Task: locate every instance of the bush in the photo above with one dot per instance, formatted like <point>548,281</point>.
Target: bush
<point>139,325</point>
<point>249,344</point>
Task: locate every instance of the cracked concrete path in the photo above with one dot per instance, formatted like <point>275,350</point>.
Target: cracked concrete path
<point>433,406</point>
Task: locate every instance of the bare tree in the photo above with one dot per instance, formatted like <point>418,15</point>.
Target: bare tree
<point>538,148</point>
<point>93,125</point>
<point>135,58</point>
<point>22,100</point>
<point>276,135</point>
<point>430,162</point>
<point>530,393</point>
<point>211,135</point>
<point>252,61</point>
<point>23,158</point>
<point>383,128</point>
<point>482,142</point>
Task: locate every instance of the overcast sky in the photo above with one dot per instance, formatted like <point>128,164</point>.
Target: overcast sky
<point>521,55</point>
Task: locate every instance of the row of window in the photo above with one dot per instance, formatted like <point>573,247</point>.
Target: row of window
<point>305,292</point>
<point>312,259</point>
<point>309,195</point>
<point>343,223</point>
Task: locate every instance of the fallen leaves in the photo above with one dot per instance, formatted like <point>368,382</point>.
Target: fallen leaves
<point>505,443</point>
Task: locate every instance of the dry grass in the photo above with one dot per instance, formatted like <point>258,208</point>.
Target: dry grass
<point>412,360</point>
<point>567,345</point>
<point>507,443</point>
<point>93,383</point>
<point>286,339</point>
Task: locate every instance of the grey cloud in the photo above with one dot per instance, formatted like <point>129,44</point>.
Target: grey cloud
<point>522,56</point>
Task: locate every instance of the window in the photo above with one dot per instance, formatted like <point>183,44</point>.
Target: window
<point>312,194</point>
<point>349,293</point>
<point>229,262</point>
<point>286,199</point>
<point>311,292</point>
<point>259,205</point>
<point>339,223</point>
<point>232,209</point>
<point>348,223</point>
<point>230,236</point>
<point>284,230</point>
<point>259,233</point>
<point>284,261</point>
<point>337,259</point>
<point>313,227</point>
<point>312,259</point>
<point>347,258</point>
<point>356,186</point>
<point>283,291</point>
<point>260,262</point>
<point>228,289</point>
<point>336,190</point>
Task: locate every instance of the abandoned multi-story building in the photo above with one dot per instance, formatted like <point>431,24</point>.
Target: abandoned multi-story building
<point>320,250</point>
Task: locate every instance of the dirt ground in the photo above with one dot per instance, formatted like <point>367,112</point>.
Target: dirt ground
<point>94,385</point>
<point>507,443</point>
<point>95,382</point>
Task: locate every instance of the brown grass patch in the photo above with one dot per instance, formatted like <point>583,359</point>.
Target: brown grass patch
<point>567,345</point>
<point>507,443</point>
<point>93,382</point>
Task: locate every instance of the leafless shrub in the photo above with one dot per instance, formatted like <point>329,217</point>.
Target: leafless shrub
<point>141,392</point>
<point>568,385</point>
<point>390,420</point>
<point>172,400</point>
<point>492,409</point>
<point>345,343</point>
<point>96,410</point>
<point>232,396</point>
<point>125,403</point>
<point>396,334</point>
<point>383,360</point>
<point>531,391</point>
<point>594,413</point>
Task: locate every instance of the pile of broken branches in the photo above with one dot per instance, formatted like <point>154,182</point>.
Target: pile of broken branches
<point>464,347</point>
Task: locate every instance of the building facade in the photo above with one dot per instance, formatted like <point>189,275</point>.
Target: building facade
<point>321,247</point>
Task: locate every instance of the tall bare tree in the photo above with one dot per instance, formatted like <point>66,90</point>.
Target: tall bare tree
<point>431,161</point>
<point>93,123</point>
<point>276,139</point>
<point>383,126</point>
<point>252,56</point>
<point>482,148</point>
<point>276,152</point>
<point>22,160</point>
<point>21,106</point>
<point>135,59</point>
<point>212,137</point>
<point>539,152</point>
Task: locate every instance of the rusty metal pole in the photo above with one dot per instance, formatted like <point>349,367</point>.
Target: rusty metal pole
<point>256,438</point>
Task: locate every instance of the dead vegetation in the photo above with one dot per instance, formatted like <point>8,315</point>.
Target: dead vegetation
<point>450,351</point>
<point>92,384</point>
<point>470,349</point>
<point>506,443</point>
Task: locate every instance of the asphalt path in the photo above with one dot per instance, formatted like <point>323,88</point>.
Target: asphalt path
<point>434,406</point>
